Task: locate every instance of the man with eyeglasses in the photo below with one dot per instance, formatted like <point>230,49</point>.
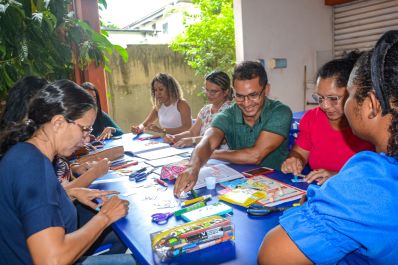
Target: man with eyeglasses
<point>256,128</point>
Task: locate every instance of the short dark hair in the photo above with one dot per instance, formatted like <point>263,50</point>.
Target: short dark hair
<point>339,69</point>
<point>249,70</point>
<point>61,97</point>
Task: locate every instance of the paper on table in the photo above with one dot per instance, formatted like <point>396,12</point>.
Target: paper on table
<point>221,172</point>
<point>164,161</point>
<point>161,153</point>
<point>136,146</point>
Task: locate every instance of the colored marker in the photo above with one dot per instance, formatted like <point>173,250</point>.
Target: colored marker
<point>199,199</point>
<point>161,182</point>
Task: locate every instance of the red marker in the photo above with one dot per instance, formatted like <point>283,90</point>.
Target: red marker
<point>161,182</point>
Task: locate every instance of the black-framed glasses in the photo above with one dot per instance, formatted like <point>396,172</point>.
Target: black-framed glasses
<point>210,92</point>
<point>333,100</point>
<point>85,130</point>
<point>251,97</point>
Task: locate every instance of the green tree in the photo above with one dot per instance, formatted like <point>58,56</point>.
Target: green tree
<point>43,38</point>
<point>208,42</point>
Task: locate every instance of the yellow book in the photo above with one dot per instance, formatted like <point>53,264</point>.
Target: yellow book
<point>243,196</point>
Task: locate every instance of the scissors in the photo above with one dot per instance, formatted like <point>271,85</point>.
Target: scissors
<point>161,218</point>
<point>140,174</point>
<point>261,210</point>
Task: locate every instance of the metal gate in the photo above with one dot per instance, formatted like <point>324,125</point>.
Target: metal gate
<point>359,24</point>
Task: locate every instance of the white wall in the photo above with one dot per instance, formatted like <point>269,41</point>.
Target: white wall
<point>293,29</point>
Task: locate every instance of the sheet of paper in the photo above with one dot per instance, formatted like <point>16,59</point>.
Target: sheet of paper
<point>161,153</point>
<point>220,171</point>
<point>136,146</point>
<point>164,161</point>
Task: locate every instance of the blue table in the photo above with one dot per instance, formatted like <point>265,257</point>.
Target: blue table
<point>136,227</point>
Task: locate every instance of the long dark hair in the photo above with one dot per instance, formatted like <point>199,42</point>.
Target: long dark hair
<point>98,119</point>
<point>377,71</point>
<point>62,97</point>
<point>20,94</point>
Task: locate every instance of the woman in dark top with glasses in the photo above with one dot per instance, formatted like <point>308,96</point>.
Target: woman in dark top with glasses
<point>326,140</point>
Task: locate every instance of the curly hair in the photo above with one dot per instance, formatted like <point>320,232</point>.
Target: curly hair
<point>172,86</point>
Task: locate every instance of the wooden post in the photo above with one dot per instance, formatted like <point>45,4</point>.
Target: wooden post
<point>87,10</point>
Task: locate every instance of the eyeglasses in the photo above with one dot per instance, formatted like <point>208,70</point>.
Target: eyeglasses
<point>210,92</point>
<point>85,130</point>
<point>333,100</point>
<point>251,97</point>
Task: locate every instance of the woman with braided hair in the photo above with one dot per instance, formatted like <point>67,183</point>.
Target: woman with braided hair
<point>352,218</point>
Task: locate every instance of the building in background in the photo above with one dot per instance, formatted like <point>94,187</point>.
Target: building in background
<point>158,27</point>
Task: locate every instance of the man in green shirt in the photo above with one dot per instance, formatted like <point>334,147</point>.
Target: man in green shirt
<point>256,128</point>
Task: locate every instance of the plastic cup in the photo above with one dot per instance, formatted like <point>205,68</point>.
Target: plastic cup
<point>210,183</point>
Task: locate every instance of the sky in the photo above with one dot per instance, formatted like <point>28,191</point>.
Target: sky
<point>123,12</point>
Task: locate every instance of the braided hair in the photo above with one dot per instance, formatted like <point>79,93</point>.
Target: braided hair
<point>378,71</point>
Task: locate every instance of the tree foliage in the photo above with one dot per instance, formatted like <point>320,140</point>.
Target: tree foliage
<point>43,38</point>
<point>208,42</point>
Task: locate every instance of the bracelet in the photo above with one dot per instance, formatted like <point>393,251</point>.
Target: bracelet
<point>193,141</point>
<point>164,132</point>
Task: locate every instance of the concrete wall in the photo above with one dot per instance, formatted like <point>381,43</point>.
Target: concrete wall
<point>298,30</point>
<point>129,84</point>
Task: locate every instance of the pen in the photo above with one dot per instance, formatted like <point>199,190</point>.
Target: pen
<point>137,136</point>
<point>199,199</point>
<point>125,165</point>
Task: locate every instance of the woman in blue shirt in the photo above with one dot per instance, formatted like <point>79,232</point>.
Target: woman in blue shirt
<point>352,218</point>
<point>41,223</point>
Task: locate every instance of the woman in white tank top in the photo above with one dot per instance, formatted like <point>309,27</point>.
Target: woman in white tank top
<point>169,107</point>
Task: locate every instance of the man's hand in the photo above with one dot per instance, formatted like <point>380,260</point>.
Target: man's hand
<point>185,181</point>
<point>319,175</point>
<point>292,165</point>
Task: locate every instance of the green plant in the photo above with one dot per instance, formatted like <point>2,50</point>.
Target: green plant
<point>208,42</point>
<point>43,38</point>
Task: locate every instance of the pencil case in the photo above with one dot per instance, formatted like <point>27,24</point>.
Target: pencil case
<point>191,237</point>
<point>112,153</point>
